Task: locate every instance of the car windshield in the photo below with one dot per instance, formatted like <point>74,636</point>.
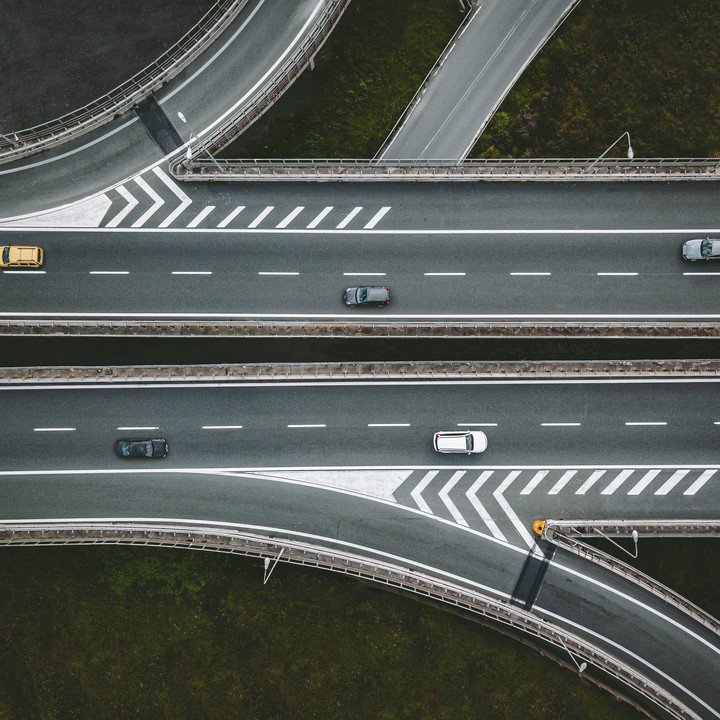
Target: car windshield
<point>706,247</point>
<point>6,254</point>
<point>469,442</point>
<point>362,295</point>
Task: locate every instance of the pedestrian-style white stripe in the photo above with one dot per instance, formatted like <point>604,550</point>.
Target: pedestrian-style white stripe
<point>471,495</point>
<point>229,218</point>
<point>185,201</point>
<point>536,480</point>
<point>668,485</point>
<point>201,216</point>
<point>562,482</point>
<point>594,477</point>
<point>289,218</point>
<point>561,424</point>
<point>311,425</point>
<point>617,274</point>
<point>261,216</point>
<point>377,217</point>
<point>109,272</point>
<point>54,429</point>
<point>514,519</point>
<point>272,272</point>
<point>645,480</point>
<point>222,427</point>
<point>388,424</point>
<point>320,217</point>
<point>617,482</point>
<point>646,423</point>
<point>444,495</point>
<point>158,202</point>
<point>416,494</point>
<point>140,427</point>
<point>529,274</point>
<point>346,221</point>
<point>699,482</point>
<point>448,274</point>
<point>131,201</point>
<point>373,274</point>
<point>477,424</point>
<point>192,272</point>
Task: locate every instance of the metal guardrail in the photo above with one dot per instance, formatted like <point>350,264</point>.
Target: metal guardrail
<point>391,576</point>
<point>127,94</point>
<point>439,170</point>
<point>564,533</point>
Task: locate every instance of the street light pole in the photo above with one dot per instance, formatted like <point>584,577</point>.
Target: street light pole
<point>188,154</point>
<point>630,152</point>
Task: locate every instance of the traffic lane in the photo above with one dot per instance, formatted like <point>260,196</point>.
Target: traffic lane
<point>367,424</point>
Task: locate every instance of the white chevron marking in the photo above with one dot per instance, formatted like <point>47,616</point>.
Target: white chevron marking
<point>514,519</point>
<point>479,509</point>
<point>444,495</point>
<point>179,194</point>
<point>617,482</point>
<point>562,482</point>
<point>669,484</point>
<point>699,482</point>
<point>590,482</point>
<point>158,202</point>
<point>416,494</point>
<point>377,217</point>
<point>261,216</point>
<point>201,216</point>
<point>131,200</point>
<point>320,217</point>
<point>645,480</point>
<point>290,217</point>
<point>349,217</point>
<point>231,216</point>
<point>539,475</point>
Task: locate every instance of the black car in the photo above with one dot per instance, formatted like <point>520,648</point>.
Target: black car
<point>367,296</point>
<point>157,448</point>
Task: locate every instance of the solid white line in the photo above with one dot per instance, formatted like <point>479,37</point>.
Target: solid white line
<point>471,495</point>
<point>477,424</point>
<point>530,273</point>
<point>289,218</point>
<point>444,495</point>
<point>343,223</point>
<point>675,478</point>
<point>416,494</point>
<point>192,272</point>
<point>562,482</point>
<point>645,480</point>
<point>185,201</point>
<point>617,274</point>
<point>318,425</point>
<point>594,477</point>
<point>561,424</point>
<point>53,429</point>
<point>699,482</point>
<point>514,519</point>
<point>231,216</point>
<point>379,215</point>
<point>109,272</point>
<point>320,217</point>
<point>131,201</point>
<point>448,274</point>
<point>646,423</point>
<point>536,480</point>
<point>149,427</point>
<point>272,272</point>
<point>388,424</point>
<point>158,202</point>
<point>617,482</point>
<point>201,216</point>
<point>23,272</point>
<point>373,274</point>
<point>222,427</point>
<point>261,216</point>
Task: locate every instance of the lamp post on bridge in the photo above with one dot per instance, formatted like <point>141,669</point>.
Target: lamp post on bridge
<point>188,153</point>
<point>630,152</point>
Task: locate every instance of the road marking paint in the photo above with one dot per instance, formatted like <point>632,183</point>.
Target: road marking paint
<point>23,272</point>
<point>109,272</point>
<point>444,495</point>
<point>185,201</point>
<point>561,424</point>
<point>261,216</point>
<point>377,217</point>
<point>222,427</point>
<point>514,519</point>
<point>537,479</point>
<point>192,272</point>
<point>645,480</point>
<point>668,485</point>
<point>158,202</point>
<point>617,274</point>
<point>594,477</point>
<point>646,423</point>
<point>320,217</point>
<point>530,273</point>
<point>448,274</point>
<point>373,274</point>
<point>343,223</point>
<point>388,424</point>
<point>699,482</point>
<point>416,494</point>
<point>562,482</point>
<point>272,272</point>
<point>201,216</point>
<point>471,495</point>
<point>140,427</point>
<point>131,201</point>
<point>310,425</point>
<point>701,273</point>
<point>54,429</point>
<point>477,424</point>
<point>229,218</point>
<point>290,217</point>
<point>617,482</point>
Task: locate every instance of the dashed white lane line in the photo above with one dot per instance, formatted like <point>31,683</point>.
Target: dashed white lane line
<point>131,201</point>
<point>645,480</point>
<point>23,272</point>
<point>54,429</point>
<point>669,484</point>
<point>377,217</point>
<point>444,495</point>
<point>699,482</point>
<point>594,477</point>
<point>346,221</point>
<point>617,274</point>
<point>273,272</point>
<point>617,482</point>
<point>477,424</point>
<point>530,274</point>
<point>320,217</point>
<point>185,201</point>
<point>290,217</point>
<point>447,274</point>
<point>158,202</point>
<point>416,494</point>
<point>561,424</point>
<point>222,427</point>
<point>514,519</point>
<point>261,216</point>
<point>471,495</point>
<point>139,427</point>
<point>701,273</point>
<point>192,272</point>
<point>230,217</point>
<point>109,272</point>
<point>388,424</point>
<point>567,476</point>
<point>368,274</point>
<point>651,422</point>
<point>536,480</point>
<point>201,216</point>
<point>309,425</point>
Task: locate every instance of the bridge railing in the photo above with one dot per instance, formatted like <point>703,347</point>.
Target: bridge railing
<point>222,539</point>
<point>21,143</point>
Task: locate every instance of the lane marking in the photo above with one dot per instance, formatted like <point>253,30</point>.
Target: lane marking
<point>388,424</point>
<point>23,272</point>
<point>343,223</point>
<point>514,519</point>
<point>562,482</point>
<point>617,482</point>
<point>537,479</point>
<point>158,202</point>
<point>379,215</point>
<point>222,427</point>
<point>140,427</point>
<point>229,218</point>
<point>201,216</point>
<point>668,485</point>
<point>261,216</point>
<point>444,495</point>
<point>192,272</point>
<point>645,480</point>
<point>477,424</point>
<point>273,272</point>
<point>441,274</point>
<point>594,477</point>
<point>309,425</point>
<point>373,274</point>
<point>640,423</point>
<point>109,272</point>
<point>530,273</point>
<point>561,424</point>
<point>320,217</point>
<point>617,274</point>
<point>131,201</point>
<point>471,495</point>
<point>290,217</point>
<point>701,273</point>
<point>53,429</point>
<point>416,494</point>
<point>185,201</point>
<point>699,482</point>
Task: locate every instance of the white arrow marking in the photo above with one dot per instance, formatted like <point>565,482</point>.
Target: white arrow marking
<point>349,217</point>
<point>645,480</point>
<point>668,485</point>
<point>539,475</point>
<point>514,519</point>
<point>131,203</point>
<point>416,494</point>
<point>444,495</point>
<point>179,194</point>
<point>261,216</point>
<point>158,202</point>
<point>479,509</point>
<point>231,216</point>
<point>590,482</point>
<point>289,218</point>
<point>320,217</point>
<point>699,482</point>
<point>617,482</point>
<point>377,217</point>
<point>201,216</point>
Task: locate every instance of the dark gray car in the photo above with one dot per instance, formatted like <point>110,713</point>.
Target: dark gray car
<point>157,448</point>
<point>367,296</point>
<point>701,249</point>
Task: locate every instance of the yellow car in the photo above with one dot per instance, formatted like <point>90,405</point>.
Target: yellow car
<point>21,256</point>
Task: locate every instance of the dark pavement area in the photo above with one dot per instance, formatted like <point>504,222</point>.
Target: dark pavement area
<point>60,56</point>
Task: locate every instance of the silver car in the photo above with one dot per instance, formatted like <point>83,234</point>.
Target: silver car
<point>460,441</point>
<point>701,249</point>
<point>379,296</point>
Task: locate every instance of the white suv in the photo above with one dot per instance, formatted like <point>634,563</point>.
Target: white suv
<point>460,441</point>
